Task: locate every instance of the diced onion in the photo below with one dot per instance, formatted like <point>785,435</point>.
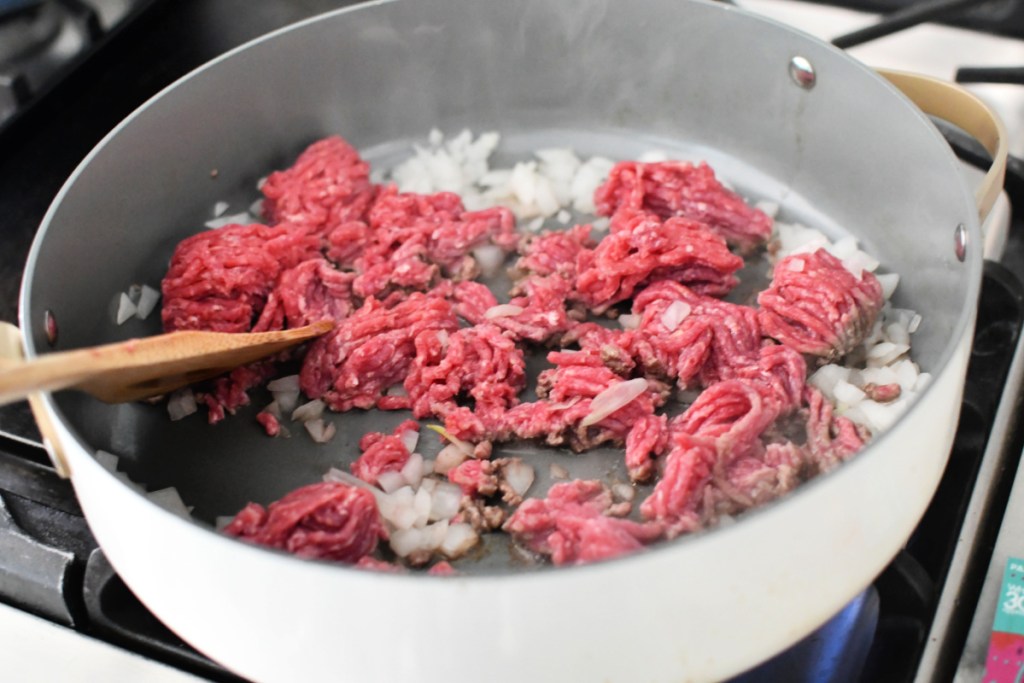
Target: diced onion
<point>463,446</point>
<point>125,309</point>
<point>449,457</point>
<point>181,403</point>
<point>410,438</point>
<point>623,491</point>
<point>286,383</point>
<point>502,311</point>
<point>614,398</point>
<point>412,471</point>
<point>320,431</point>
<point>422,503</point>
<point>286,400</point>
<point>628,321</point>
<point>675,314</point>
<point>391,481</point>
<point>445,501</point>
<point>889,282</point>
<point>309,411</point>
<point>490,257</point>
<point>147,302</point>
<point>458,539</point>
<point>519,476</point>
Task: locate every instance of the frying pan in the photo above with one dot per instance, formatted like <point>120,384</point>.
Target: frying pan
<point>781,115</point>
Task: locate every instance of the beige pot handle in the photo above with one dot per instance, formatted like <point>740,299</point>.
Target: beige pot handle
<point>12,352</point>
<point>956,105</point>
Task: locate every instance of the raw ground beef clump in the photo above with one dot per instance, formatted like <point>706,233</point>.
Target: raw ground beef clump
<point>414,330</point>
<point>328,520</point>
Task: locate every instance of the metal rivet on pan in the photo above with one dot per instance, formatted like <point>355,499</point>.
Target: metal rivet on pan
<point>960,242</point>
<point>802,72</point>
<point>50,326</point>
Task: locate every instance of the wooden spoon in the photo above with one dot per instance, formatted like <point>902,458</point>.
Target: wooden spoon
<point>140,368</point>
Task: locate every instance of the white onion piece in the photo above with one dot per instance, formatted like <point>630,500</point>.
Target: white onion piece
<point>885,353</point>
<point>558,472</point>
<point>125,309</point>
<point>796,265</point>
<point>847,394</point>
<point>412,471</point>
<point>623,491</point>
<point>675,314</point>
<point>181,403</point>
<point>502,311</point>
<point>286,383</point>
<point>458,539</point>
<point>519,476</point>
<point>825,378</point>
<point>242,218</point>
<point>563,217</point>
<point>147,302</point>
<point>343,477</point>
<point>219,208</point>
<point>914,324</point>
<point>135,293</point>
<point>410,438</point>
<point>628,321</point>
<point>320,431</point>
<point>448,457</point>
<point>286,400</point>
<point>490,258</point>
<point>889,282</point>
<point>422,503</point>
<point>435,534</point>
<point>170,500</point>
<point>613,398</point>
<point>397,508</point>
<point>406,541</point>
<point>897,334</point>
<point>428,484</point>
<point>309,411</point>
<point>445,501</point>
<point>391,481</point>
<point>428,468</point>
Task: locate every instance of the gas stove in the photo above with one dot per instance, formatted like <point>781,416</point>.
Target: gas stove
<point>927,616</point>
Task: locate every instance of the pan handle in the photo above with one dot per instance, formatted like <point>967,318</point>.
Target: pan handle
<point>11,353</point>
<point>963,109</point>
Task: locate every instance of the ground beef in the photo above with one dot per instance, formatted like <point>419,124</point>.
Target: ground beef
<point>567,392</point>
<point>544,314</point>
<point>328,520</point>
<point>327,186</point>
<point>414,239</point>
<point>220,279</point>
<point>692,338</point>
<point>475,477</point>
<point>480,363</point>
<point>383,452</point>
<point>554,253</point>
<point>394,272</point>
<point>371,350</point>
<point>816,306</point>
<point>831,439</point>
<point>271,425</point>
<point>310,292</point>
<point>573,525</point>
<point>678,188</point>
<point>642,248</point>
<point>231,391</point>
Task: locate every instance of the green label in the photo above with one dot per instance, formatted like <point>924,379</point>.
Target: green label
<point>1010,610</point>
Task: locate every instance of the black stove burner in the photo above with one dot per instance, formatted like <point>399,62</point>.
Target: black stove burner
<point>42,40</point>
